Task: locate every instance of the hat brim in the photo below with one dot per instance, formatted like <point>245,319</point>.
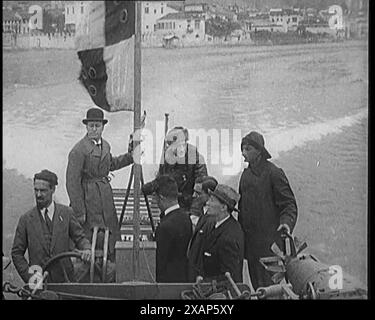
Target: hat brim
<point>212,193</point>
<point>85,121</point>
<point>266,153</point>
<point>257,146</point>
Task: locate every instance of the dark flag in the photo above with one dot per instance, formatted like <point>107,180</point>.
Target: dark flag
<point>105,45</point>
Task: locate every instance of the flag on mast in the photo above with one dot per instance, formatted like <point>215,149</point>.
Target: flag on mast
<point>105,45</point>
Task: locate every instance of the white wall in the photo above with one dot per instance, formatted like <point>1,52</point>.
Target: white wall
<point>73,11</point>
<point>156,10</point>
<point>180,30</point>
<point>43,41</point>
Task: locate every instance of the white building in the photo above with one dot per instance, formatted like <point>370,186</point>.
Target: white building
<point>288,19</point>
<point>14,22</point>
<point>183,25</point>
<point>153,11</point>
<point>73,12</point>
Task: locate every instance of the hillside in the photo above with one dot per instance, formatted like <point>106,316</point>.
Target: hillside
<point>266,4</point>
<point>259,4</point>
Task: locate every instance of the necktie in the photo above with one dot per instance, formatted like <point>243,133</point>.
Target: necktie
<point>98,143</point>
<point>48,220</point>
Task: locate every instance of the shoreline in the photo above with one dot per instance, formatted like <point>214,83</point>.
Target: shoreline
<point>228,44</point>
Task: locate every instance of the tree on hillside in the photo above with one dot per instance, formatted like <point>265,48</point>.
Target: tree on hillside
<point>53,21</point>
<point>220,28</point>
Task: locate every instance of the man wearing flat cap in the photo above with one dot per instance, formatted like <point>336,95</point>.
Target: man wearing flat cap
<point>223,248</point>
<point>183,162</point>
<point>45,231</point>
<point>268,208</point>
<point>87,181</point>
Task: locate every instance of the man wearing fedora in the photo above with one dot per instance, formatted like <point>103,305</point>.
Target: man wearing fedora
<point>202,225</point>
<point>223,247</point>
<point>87,181</point>
<point>45,231</point>
<point>268,208</point>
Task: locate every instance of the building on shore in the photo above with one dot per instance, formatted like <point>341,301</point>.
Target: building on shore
<point>152,11</point>
<point>286,19</point>
<point>73,14</point>
<point>184,26</point>
<point>256,25</point>
<point>16,22</point>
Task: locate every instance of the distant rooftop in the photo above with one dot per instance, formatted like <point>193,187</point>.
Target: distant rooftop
<point>177,5</point>
<point>12,15</point>
<point>283,12</point>
<point>180,16</point>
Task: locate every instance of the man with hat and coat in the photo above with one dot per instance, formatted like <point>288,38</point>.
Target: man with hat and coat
<point>45,231</point>
<point>267,206</point>
<point>87,181</point>
<point>223,247</point>
<point>183,162</point>
<point>202,222</point>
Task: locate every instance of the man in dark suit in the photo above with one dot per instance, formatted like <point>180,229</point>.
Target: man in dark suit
<point>223,248</point>
<point>172,234</point>
<point>202,225</point>
<point>45,231</point>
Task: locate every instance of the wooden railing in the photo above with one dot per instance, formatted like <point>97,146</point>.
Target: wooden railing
<point>127,223</point>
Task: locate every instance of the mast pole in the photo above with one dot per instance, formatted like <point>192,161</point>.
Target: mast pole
<point>137,124</point>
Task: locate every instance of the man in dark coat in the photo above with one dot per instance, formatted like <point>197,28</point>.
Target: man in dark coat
<point>267,206</point>
<point>202,225</point>
<point>183,162</point>
<point>172,234</point>
<point>223,248</point>
<point>87,181</point>
<point>45,231</point>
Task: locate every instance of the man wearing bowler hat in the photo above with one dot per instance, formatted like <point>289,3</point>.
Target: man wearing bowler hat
<point>267,206</point>
<point>87,181</point>
<point>223,247</point>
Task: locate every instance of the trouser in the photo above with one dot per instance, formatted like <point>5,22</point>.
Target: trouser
<point>258,275</point>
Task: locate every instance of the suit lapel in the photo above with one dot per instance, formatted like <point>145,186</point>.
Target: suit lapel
<point>37,225</point>
<point>57,225</point>
<point>197,229</point>
<point>88,144</point>
<point>215,234</point>
<point>105,149</point>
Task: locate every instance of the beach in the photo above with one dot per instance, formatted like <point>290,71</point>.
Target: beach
<point>309,101</point>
